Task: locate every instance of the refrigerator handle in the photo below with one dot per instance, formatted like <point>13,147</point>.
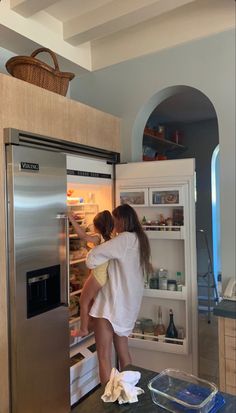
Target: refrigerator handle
<point>66,219</point>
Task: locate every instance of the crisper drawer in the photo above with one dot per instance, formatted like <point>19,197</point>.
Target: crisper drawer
<point>230,327</point>
<point>230,348</point>
<point>230,372</point>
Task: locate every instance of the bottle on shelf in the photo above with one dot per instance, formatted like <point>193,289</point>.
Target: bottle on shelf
<point>163,275</point>
<point>179,281</point>
<point>171,331</point>
<point>160,330</point>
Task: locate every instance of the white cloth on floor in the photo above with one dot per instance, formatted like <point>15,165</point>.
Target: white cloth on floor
<point>121,387</point>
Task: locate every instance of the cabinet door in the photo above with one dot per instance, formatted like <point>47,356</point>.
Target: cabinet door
<point>133,196</point>
<point>165,196</point>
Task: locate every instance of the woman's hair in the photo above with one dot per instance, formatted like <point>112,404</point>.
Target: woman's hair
<point>131,223</point>
<point>103,222</point>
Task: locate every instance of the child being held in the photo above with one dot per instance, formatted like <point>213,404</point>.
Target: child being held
<point>103,226</point>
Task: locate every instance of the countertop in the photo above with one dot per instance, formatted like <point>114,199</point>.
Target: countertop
<point>225,308</point>
<point>94,404</point>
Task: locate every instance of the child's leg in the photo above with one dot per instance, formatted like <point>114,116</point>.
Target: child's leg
<point>104,336</point>
<point>89,292</point>
<point>122,350</point>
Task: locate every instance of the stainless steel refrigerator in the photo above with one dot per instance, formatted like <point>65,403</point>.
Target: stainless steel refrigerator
<point>38,293</point>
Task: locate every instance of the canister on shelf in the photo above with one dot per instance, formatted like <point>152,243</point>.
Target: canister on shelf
<point>163,274</point>
<point>138,329</point>
<point>148,329</point>
<point>171,285</point>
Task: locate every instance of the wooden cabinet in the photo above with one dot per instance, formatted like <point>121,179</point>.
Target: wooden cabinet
<point>227,354</point>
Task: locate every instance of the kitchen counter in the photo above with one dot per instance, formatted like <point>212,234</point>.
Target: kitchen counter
<point>93,402</point>
<point>225,308</point>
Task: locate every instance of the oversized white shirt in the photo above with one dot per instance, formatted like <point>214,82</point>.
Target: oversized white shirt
<point>120,298</point>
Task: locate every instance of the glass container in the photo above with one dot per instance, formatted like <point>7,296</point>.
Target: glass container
<point>180,392</point>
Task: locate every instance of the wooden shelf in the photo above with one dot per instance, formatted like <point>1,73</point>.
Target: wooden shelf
<point>154,141</point>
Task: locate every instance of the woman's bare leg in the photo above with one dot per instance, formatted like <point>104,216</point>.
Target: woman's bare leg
<point>89,292</point>
<point>104,336</point>
<point>122,350</point>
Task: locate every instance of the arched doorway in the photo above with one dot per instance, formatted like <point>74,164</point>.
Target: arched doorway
<point>191,112</point>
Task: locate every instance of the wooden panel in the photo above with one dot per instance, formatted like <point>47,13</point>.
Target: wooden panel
<point>30,108</point>
<point>230,327</point>
<point>230,348</point>
<point>231,390</point>
<point>230,372</point>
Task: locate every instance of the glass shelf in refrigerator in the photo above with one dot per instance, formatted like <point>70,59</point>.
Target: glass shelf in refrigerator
<point>75,292</point>
<point>72,262</point>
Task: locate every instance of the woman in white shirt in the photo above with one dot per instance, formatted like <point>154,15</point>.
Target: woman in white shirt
<point>117,304</point>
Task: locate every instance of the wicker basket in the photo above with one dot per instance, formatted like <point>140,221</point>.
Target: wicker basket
<point>34,71</point>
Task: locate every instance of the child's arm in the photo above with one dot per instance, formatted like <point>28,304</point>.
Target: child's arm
<point>95,239</point>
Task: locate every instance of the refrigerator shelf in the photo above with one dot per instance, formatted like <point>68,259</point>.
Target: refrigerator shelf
<point>161,346</point>
<point>165,294</point>
<point>75,292</point>
<point>72,262</point>
<point>166,233</point>
<point>74,320</point>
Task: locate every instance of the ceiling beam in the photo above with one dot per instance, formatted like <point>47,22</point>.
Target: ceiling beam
<point>113,17</point>
<point>29,7</point>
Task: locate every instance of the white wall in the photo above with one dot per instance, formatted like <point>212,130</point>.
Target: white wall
<point>135,87</point>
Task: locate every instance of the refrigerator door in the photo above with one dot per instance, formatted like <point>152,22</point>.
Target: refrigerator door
<point>38,296</point>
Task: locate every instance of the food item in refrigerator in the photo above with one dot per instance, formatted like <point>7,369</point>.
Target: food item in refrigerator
<point>148,329</point>
<point>79,254</point>
<point>159,329</point>
<point>171,331</point>
<point>163,274</point>
<point>137,330</point>
<point>74,306</point>
<point>171,285</point>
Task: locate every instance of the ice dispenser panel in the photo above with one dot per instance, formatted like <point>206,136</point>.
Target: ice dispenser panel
<point>43,290</point>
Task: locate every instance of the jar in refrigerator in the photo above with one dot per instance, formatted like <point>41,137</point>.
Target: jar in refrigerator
<point>171,285</point>
<point>163,275</point>
<point>148,329</point>
<point>137,329</point>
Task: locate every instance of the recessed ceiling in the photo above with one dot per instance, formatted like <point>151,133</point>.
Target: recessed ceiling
<point>89,35</point>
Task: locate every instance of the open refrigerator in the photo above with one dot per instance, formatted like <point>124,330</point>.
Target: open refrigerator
<point>155,189</point>
<point>163,195</point>
<point>89,191</point>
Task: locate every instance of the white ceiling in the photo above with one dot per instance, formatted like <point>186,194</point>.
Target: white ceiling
<point>92,34</point>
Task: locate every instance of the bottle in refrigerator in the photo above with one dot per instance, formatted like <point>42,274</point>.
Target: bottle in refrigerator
<point>179,281</point>
<point>159,329</point>
<point>171,331</point>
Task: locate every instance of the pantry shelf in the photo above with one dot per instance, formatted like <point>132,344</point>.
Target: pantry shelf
<point>154,345</point>
<point>165,294</point>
